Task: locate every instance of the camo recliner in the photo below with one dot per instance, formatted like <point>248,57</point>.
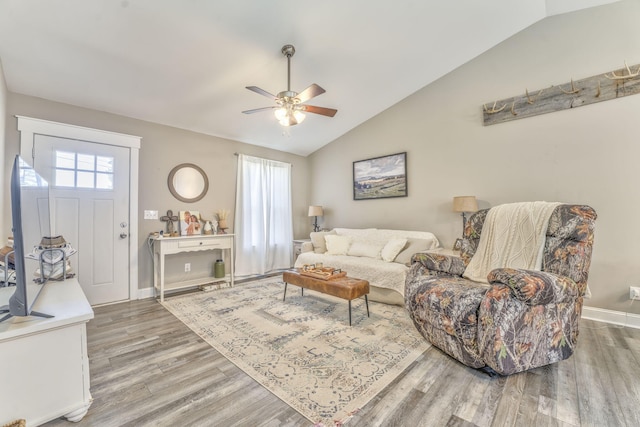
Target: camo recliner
<point>523,319</point>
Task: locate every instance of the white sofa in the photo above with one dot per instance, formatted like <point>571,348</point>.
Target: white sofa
<point>379,256</point>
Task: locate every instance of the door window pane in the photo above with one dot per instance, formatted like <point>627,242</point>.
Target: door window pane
<point>65,160</point>
<point>65,178</point>
<point>85,179</point>
<point>84,170</point>
<point>104,181</point>
<point>104,164</point>
<point>86,162</point>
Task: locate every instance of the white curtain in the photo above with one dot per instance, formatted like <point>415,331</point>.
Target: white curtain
<point>264,225</point>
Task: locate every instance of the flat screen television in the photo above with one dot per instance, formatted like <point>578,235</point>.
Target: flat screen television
<point>31,218</point>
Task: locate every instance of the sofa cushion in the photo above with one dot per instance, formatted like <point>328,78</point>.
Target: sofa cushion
<point>317,239</point>
<point>413,246</point>
<point>369,250</point>
<point>392,249</point>
<point>337,245</point>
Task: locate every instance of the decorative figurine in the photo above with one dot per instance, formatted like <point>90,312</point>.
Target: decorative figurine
<point>169,218</point>
<point>207,227</point>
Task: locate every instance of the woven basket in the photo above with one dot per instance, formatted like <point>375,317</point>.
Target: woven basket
<point>16,423</point>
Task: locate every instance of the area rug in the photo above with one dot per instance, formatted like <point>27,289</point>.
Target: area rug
<point>303,349</point>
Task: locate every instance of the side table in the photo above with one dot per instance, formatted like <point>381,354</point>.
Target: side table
<point>297,248</point>
<point>177,245</point>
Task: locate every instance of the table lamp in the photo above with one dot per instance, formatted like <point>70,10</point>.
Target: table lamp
<point>464,204</point>
<point>315,211</point>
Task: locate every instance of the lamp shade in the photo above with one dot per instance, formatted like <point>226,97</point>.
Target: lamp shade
<point>465,204</point>
<point>315,211</point>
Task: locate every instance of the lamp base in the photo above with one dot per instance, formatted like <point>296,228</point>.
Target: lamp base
<point>464,222</point>
<point>316,228</point>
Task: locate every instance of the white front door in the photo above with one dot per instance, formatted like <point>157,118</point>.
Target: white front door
<point>89,185</point>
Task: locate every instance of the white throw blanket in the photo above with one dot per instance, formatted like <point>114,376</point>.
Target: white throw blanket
<point>513,235</point>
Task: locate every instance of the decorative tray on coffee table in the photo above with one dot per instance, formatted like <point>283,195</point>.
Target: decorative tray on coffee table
<point>322,273</point>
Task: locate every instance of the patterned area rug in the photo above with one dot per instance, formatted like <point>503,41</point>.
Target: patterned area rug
<point>303,349</point>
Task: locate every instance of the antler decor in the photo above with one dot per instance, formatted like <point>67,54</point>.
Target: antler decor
<point>530,99</point>
<point>630,75</point>
<point>602,87</point>
<point>572,91</point>
<point>493,109</point>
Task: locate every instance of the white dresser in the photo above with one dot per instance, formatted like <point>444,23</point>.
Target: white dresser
<point>176,245</point>
<point>44,362</point>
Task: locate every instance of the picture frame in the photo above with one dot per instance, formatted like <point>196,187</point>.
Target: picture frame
<point>189,223</point>
<point>380,177</point>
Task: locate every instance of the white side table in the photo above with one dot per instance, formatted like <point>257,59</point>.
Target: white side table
<point>297,248</point>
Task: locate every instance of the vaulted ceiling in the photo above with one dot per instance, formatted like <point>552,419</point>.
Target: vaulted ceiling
<point>185,63</point>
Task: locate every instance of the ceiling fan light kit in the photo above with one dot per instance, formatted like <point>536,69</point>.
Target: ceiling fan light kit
<point>290,107</point>
<point>289,115</point>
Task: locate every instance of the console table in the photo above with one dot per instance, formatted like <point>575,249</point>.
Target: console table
<point>176,245</point>
<point>45,367</point>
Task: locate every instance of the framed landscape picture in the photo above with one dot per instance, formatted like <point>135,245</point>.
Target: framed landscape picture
<point>380,177</point>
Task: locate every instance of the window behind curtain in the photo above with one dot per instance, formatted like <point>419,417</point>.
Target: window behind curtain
<point>264,226</point>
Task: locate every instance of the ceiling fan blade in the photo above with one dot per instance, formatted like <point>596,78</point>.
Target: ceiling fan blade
<point>330,112</point>
<point>310,92</point>
<point>257,110</point>
<point>263,92</point>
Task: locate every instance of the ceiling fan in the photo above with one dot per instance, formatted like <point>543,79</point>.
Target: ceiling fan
<point>290,106</point>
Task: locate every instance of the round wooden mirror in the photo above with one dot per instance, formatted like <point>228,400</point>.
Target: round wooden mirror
<point>188,182</point>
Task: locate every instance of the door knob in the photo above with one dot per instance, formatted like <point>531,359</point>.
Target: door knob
<point>123,235</point>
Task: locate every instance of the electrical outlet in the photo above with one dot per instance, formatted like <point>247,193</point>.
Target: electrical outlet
<point>634,292</point>
<point>150,214</point>
<point>187,267</point>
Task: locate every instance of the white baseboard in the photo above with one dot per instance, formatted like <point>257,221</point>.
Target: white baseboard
<point>146,293</point>
<point>609,316</point>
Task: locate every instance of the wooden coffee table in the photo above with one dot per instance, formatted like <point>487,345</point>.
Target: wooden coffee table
<point>348,288</point>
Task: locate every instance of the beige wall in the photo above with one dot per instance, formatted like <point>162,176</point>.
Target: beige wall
<point>587,155</point>
<point>163,148</point>
<point>5,222</point>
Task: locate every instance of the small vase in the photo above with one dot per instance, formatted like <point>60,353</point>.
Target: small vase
<point>207,228</point>
<point>222,224</point>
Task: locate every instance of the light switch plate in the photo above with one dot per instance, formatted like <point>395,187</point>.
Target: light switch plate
<point>150,214</point>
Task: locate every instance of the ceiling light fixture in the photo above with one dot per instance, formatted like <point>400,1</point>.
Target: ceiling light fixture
<point>290,106</point>
<point>290,112</point>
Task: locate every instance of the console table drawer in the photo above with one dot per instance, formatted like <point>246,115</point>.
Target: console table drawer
<point>219,243</point>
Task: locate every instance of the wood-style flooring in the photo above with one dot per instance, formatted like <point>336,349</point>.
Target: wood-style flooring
<point>149,369</point>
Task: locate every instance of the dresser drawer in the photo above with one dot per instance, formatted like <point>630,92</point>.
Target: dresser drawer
<point>208,243</point>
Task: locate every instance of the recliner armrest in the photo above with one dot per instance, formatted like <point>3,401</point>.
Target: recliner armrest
<point>440,263</point>
<point>306,247</point>
<point>535,287</point>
